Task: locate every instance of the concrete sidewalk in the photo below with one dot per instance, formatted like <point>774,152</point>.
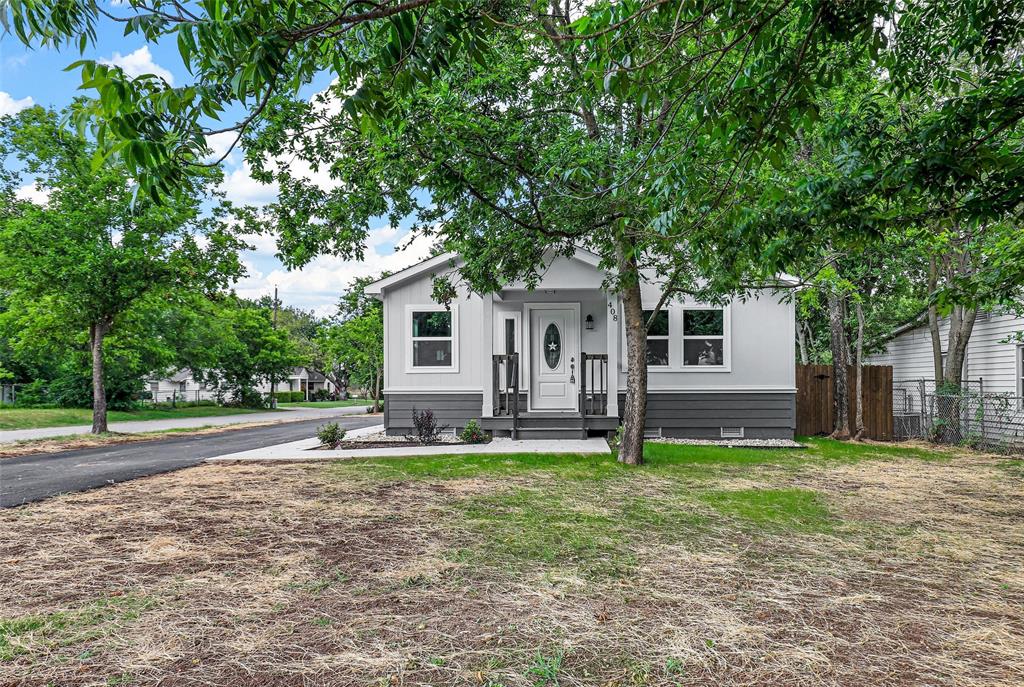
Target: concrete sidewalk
<point>290,415</point>
<point>305,449</point>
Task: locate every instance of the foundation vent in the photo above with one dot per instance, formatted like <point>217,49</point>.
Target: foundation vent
<point>732,432</point>
<point>652,433</point>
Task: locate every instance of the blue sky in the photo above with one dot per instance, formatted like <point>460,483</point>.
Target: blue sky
<point>37,77</point>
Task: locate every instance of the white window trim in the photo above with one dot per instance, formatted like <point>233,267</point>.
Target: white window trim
<point>454,338</point>
<point>726,339</point>
<point>517,317</point>
<point>663,337</point>
<point>1020,373</point>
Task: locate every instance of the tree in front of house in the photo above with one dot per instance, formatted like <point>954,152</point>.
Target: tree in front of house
<point>632,138</point>
<point>95,250</point>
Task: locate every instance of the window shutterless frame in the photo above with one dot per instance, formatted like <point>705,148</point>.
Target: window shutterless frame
<point>660,333</point>
<point>700,341</point>
<point>453,338</point>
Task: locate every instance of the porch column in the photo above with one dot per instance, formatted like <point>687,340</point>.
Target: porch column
<point>612,326</point>
<point>486,354</point>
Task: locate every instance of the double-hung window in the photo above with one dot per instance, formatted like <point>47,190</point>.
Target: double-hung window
<point>657,339</point>
<point>704,337</point>
<point>432,342</point>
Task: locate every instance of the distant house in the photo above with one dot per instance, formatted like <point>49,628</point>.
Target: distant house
<point>182,386</point>
<point>301,379</point>
<point>994,356</point>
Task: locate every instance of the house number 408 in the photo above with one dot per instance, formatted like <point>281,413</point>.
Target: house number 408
<point>611,309</point>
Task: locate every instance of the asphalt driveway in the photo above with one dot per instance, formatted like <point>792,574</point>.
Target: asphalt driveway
<point>36,477</point>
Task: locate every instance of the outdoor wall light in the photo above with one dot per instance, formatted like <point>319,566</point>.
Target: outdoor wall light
<point>590,321</point>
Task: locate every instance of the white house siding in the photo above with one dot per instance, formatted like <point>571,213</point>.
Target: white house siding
<point>990,356</point>
<point>762,343</point>
<point>757,391</point>
<point>470,336</point>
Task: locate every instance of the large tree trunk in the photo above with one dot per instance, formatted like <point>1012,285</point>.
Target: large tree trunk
<point>97,332</point>
<point>631,449</point>
<point>961,326</point>
<point>801,340</point>
<point>858,398</point>
<point>840,359</point>
<point>933,321</point>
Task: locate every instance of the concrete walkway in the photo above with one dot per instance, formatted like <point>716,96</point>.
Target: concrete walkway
<point>303,450</point>
<point>289,415</point>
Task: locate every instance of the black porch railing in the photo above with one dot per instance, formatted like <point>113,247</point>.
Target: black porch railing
<point>594,383</point>
<point>505,371</point>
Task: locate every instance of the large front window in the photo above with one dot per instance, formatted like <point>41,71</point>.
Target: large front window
<point>432,339</point>
<point>657,339</point>
<point>704,337</point>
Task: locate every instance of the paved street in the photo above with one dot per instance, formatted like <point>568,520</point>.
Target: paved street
<point>134,426</point>
<point>35,477</point>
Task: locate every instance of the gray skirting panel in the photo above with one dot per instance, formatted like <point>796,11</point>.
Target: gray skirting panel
<point>690,415</point>
<point>702,415</point>
<point>454,410</point>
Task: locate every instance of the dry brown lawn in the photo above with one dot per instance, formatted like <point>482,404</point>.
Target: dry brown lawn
<point>831,566</point>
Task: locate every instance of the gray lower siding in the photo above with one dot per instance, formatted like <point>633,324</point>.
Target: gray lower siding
<point>687,415</point>
<point>703,415</point>
<point>453,410</point>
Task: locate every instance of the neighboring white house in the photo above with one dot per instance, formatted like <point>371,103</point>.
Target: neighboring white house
<point>714,371</point>
<point>301,379</point>
<point>181,386</point>
<point>994,356</point>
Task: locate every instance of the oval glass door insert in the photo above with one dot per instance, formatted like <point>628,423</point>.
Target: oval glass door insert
<point>552,346</point>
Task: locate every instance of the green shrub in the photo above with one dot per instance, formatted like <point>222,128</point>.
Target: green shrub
<point>473,434</point>
<point>425,424</point>
<point>331,434</point>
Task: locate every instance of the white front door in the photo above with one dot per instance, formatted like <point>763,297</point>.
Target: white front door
<point>554,358</point>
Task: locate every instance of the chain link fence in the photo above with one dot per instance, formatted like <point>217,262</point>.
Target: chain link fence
<point>968,417</point>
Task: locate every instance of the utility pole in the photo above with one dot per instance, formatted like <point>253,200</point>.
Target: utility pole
<point>273,377</point>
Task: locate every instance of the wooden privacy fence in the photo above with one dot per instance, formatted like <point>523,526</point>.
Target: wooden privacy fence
<point>815,400</point>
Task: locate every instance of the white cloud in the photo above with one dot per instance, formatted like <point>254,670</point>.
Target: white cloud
<point>9,106</point>
<point>138,63</point>
<point>318,286</point>
<point>32,193</point>
<point>242,189</point>
<point>220,144</point>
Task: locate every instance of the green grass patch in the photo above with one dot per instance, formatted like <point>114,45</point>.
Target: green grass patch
<point>663,460</point>
<point>565,465</point>
<point>327,404</point>
<point>35,418</point>
<point>796,510</point>
<point>593,532</point>
<point>31,633</point>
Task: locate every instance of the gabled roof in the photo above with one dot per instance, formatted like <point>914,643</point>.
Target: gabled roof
<point>377,288</point>
<point>449,259</point>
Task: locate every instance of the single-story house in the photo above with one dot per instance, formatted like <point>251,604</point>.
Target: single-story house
<point>182,386</point>
<point>994,361</point>
<point>178,387</point>
<point>301,379</point>
<point>549,362</point>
